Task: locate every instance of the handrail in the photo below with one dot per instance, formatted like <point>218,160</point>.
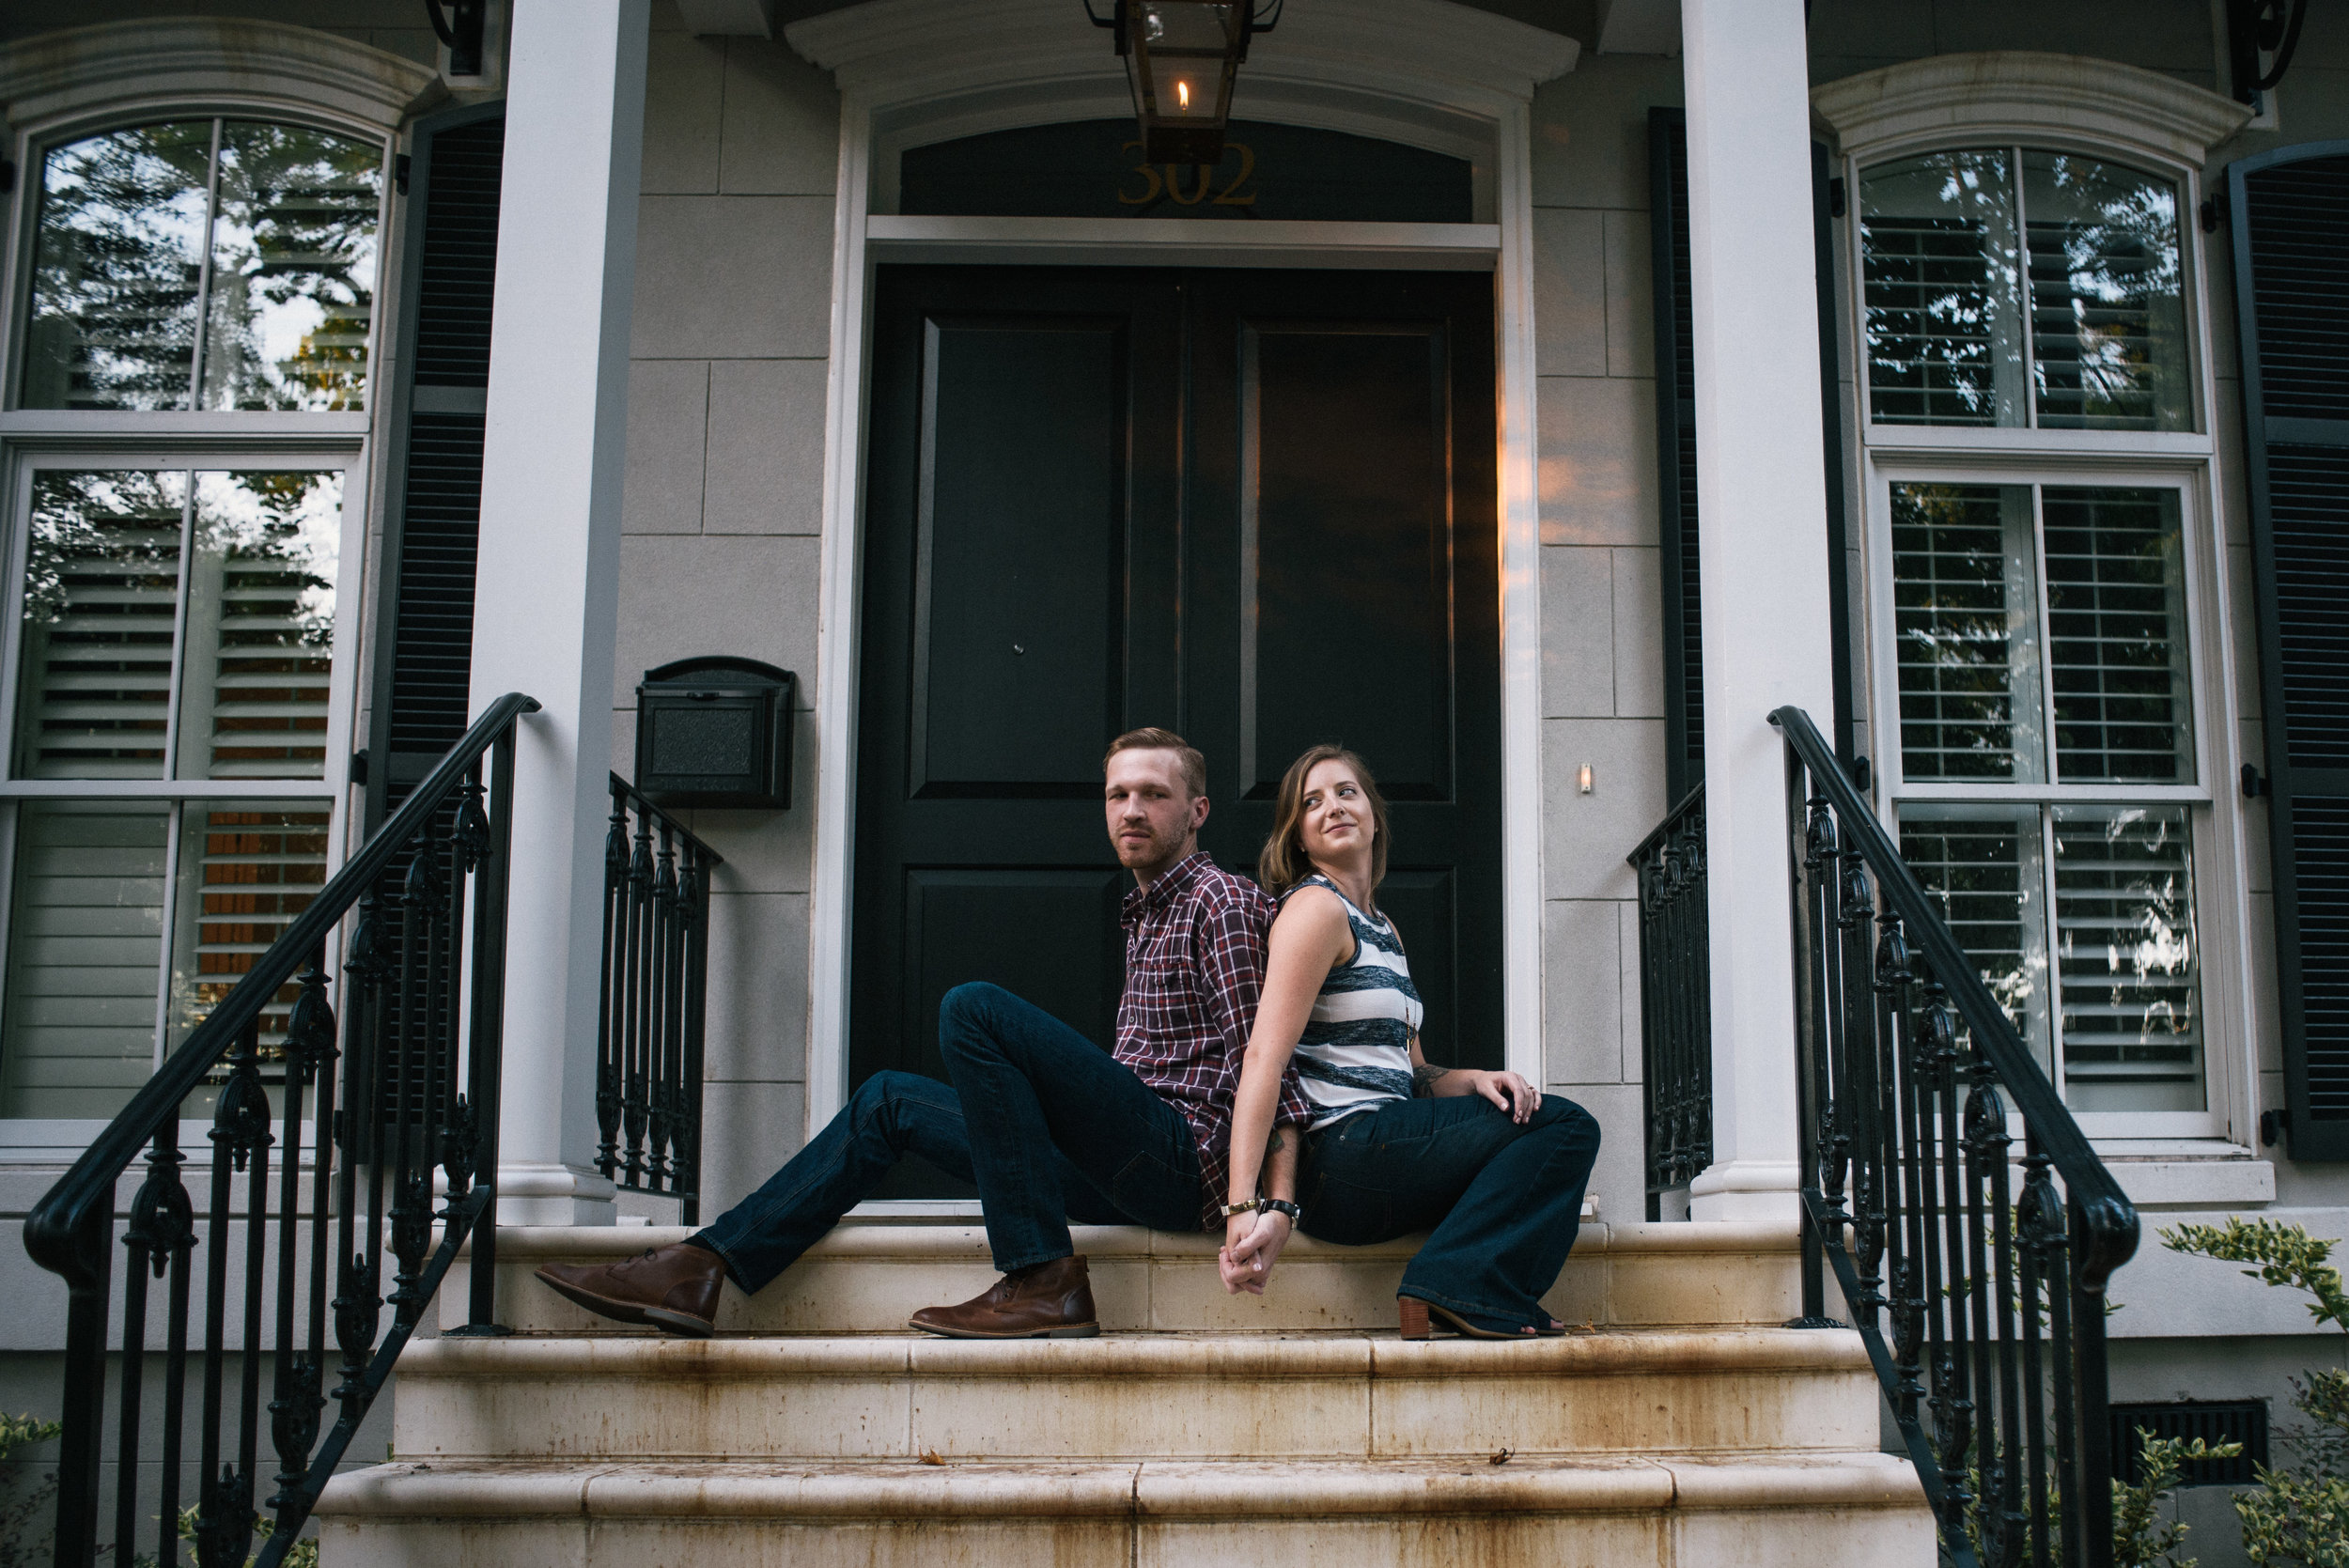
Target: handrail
<point>2112,1218</point>
<point>420,1064</point>
<point>1906,1067</point>
<point>55,1223</point>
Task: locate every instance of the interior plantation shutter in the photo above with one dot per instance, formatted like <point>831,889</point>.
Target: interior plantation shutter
<point>2290,210</point>
<point>424,648</point>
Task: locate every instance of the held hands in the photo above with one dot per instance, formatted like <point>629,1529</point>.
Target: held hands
<point>1251,1244</point>
<point>1508,1091</point>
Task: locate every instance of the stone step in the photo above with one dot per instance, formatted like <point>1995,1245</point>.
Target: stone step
<point>1850,1510</point>
<point>867,1276</point>
<point>1132,1396</point>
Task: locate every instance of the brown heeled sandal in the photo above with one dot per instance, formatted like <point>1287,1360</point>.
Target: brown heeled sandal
<point>1414,1319</point>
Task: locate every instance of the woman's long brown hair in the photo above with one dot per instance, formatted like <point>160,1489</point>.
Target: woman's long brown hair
<point>1283,862</point>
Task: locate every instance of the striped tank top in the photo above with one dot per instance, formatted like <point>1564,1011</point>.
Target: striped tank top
<point>1356,1050</point>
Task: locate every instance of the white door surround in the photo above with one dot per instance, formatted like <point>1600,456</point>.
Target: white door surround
<point>1423,73</point>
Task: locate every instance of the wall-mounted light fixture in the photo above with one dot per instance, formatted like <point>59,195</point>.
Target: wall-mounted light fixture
<point>460,31</point>
<point>1583,779</point>
<point>1181,56</point>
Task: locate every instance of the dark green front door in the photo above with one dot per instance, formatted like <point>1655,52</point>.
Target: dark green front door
<point>1254,506</point>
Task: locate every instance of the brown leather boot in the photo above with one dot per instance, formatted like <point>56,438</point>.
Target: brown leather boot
<point>1050,1301</point>
<point>674,1287</point>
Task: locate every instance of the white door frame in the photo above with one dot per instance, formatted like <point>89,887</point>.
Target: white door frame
<point>1425,73</point>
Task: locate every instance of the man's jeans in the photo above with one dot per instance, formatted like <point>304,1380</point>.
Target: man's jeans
<point>1504,1200</point>
<point>1042,1118</point>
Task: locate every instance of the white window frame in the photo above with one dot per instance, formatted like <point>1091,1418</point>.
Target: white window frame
<point>2157,126</point>
<point>143,72</point>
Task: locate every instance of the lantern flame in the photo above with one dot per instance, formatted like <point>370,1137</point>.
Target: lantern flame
<point>1182,94</point>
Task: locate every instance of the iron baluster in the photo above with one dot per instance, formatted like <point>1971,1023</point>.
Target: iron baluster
<point>652,1006</point>
<point>160,1235</point>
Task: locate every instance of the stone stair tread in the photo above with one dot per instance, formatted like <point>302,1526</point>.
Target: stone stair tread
<point>968,1488</point>
<point>1613,1351</point>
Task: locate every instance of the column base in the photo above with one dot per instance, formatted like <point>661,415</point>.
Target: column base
<point>1748,1190</point>
<point>537,1194</point>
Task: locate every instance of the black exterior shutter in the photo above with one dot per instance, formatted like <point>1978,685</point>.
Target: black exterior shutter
<point>1676,452</point>
<point>2291,217</point>
<point>424,644</point>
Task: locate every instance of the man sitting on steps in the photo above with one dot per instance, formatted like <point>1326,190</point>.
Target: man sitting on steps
<point>1049,1127</point>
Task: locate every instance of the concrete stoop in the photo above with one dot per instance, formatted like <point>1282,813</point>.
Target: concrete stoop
<point>1683,1429</point>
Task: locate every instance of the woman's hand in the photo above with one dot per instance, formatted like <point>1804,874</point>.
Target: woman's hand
<point>1508,1091</point>
<point>1251,1245</point>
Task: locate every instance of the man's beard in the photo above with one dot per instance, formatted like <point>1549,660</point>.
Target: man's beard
<point>1158,851</point>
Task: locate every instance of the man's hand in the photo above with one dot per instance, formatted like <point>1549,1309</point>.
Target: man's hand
<point>1251,1245</point>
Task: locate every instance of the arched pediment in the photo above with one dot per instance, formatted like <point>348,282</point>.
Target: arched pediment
<point>2015,95</point>
<point>207,62</point>
<point>1427,72</point>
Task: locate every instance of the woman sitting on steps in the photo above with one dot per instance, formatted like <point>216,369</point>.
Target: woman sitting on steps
<point>1495,1169</point>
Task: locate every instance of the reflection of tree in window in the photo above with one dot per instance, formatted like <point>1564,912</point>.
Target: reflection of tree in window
<point>118,269</point>
<point>293,269</point>
<point>268,231</point>
<point>265,545</point>
<point>1953,615</point>
<point>1943,345</point>
<point>2107,324</point>
<point>101,591</point>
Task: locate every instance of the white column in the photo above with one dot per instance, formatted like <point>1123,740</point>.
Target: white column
<point>1762,505</point>
<point>548,579</point>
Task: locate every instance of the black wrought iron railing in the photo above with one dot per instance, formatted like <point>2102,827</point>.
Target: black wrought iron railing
<point>1675,999</point>
<point>1975,1280</point>
<point>287,1217</point>
<point>656,967</point>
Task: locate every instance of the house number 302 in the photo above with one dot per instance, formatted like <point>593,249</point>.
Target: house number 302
<point>1168,186</point>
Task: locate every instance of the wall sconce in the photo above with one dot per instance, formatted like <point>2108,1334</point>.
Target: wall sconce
<point>1181,56</point>
<point>1583,779</point>
<point>461,32</point>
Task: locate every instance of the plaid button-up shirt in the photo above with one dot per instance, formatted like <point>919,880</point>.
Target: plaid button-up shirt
<point>1194,969</point>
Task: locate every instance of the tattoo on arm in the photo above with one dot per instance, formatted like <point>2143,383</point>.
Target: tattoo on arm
<point>1279,1141</point>
<point>1423,1078</point>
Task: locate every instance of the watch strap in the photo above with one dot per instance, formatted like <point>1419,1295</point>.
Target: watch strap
<point>1279,1206</point>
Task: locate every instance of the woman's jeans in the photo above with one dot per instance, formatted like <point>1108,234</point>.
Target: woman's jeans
<point>1044,1121</point>
<point>1504,1200</point>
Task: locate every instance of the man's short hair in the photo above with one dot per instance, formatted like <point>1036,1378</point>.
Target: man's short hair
<point>1186,756</point>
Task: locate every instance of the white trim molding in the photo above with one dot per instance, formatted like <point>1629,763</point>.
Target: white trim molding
<point>200,60</point>
<point>2027,97</point>
<point>1427,74</point>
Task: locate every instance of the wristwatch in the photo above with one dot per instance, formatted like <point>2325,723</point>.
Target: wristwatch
<point>1279,1206</point>
<point>1246,1207</point>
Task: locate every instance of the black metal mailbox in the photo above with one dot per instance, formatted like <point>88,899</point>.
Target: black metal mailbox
<point>715,731</point>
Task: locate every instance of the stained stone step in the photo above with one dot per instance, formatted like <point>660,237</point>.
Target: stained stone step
<point>1132,1396</point>
<point>867,1276</point>
<point>1847,1510</point>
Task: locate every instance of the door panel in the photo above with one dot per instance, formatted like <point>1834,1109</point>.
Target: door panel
<point>1256,507</point>
<point>1019,652</point>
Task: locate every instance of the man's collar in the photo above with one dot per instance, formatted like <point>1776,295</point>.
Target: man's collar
<point>1170,883</point>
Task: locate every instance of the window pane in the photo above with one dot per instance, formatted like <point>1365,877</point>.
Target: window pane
<point>1984,866</point>
<point>84,951</point>
<point>2107,312</point>
<point>260,625</point>
<point>2125,924</point>
<point>246,869</point>
<point>101,589</point>
<point>2117,636</point>
<point>1943,290</point>
<point>293,269</point>
<point>117,265</point>
<point>1964,616</point>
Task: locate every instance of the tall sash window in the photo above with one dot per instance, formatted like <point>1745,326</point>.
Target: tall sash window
<point>192,367</point>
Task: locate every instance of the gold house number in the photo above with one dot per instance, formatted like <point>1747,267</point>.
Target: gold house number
<point>1170,185</point>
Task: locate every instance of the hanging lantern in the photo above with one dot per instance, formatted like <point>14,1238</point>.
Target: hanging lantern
<point>1180,57</point>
